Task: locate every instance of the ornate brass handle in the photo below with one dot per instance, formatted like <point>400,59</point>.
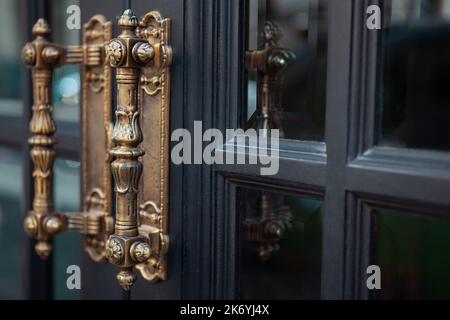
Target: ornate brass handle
<point>128,53</point>
<point>43,56</point>
<point>142,56</point>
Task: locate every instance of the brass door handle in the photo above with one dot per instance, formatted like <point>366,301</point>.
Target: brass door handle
<point>142,56</point>
<point>129,53</point>
<point>42,57</point>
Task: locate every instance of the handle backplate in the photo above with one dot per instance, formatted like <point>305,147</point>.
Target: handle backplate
<point>154,97</point>
<point>96,131</point>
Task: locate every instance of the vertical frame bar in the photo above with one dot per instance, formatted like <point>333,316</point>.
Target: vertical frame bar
<point>367,62</point>
<point>338,99</point>
<point>214,50</point>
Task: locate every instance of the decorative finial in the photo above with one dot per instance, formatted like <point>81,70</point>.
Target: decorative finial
<point>128,19</point>
<point>41,28</point>
<point>126,278</point>
<point>43,249</point>
<point>272,34</point>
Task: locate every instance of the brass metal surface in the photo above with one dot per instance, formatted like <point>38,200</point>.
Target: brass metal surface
<point>155,100</point>
<point>96,220</point>
<point>42,57</point>
<point>97,136</point>
<point>131,244</point>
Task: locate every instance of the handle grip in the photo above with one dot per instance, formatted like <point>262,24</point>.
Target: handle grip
<point>128,54</point>
<point>42,56</point>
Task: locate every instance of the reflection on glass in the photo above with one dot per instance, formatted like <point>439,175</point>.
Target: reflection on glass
<point>66,81</point>
<point>10,62</point>
<point>11,234</point>
<point>416,98</point>
<point>67,245</point>
<point>303,90</point>
<point>413,255</point>
<point>280,246</point>
<point>66,94</point>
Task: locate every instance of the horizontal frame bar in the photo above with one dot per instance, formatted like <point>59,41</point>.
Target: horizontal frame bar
<point>300,163</point>
<point>407,175</point>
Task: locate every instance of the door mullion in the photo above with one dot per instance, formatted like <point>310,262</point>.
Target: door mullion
<point>338,99</point>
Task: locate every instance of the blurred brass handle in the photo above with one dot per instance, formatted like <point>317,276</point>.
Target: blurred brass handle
<point>269,61</point>
<point>129,53</point>
<point>42,57</point>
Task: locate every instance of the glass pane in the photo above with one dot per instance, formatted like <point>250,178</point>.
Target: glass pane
<point>10,59</point>
<point>66,82</point>
<point>11,230</point>
<point>413,255</point>
<point>302,89</point>
<point>416,99</point>
<point>66,99</point>
<point>281,246</point>
<point>67,245</point>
